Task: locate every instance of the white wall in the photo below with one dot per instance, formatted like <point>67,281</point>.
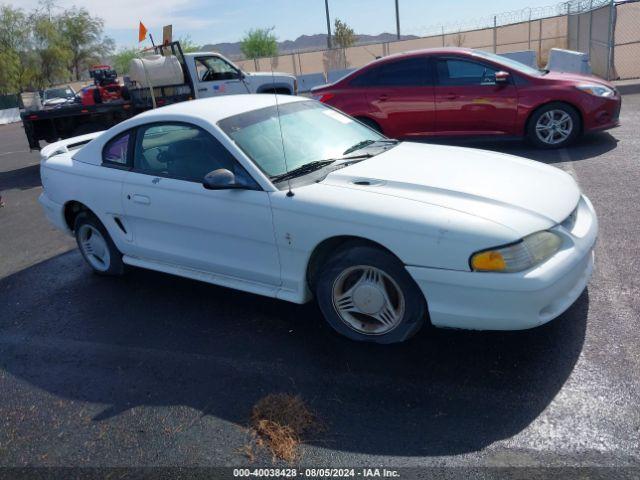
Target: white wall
<point>9,115</point>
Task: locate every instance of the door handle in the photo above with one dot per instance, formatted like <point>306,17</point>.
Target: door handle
<point>143,199</point>
<point>202,89</point>
<point>451,96</point>
<point>383,98</point>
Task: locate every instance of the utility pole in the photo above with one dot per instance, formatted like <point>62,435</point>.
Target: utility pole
<point>326,7</point>
<point>397,20</point>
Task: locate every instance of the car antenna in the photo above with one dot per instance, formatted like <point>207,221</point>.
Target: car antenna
<point>284,153</point>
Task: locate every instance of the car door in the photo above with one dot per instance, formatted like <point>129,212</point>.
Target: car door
<point>469,101</point>
<point>105,193</point>
<point>401,96</point>
<point>216,76</point>
<point>176,221</point>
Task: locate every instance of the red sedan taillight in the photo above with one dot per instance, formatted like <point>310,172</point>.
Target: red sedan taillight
<point>323,97</point>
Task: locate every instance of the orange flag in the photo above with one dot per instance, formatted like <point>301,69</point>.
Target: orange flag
<point>142,32</point>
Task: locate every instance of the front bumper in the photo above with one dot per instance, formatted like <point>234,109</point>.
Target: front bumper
<point>603,114</point>
<point>514,301</point>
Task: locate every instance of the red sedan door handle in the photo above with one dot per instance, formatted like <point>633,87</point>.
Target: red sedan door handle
<point>451,96</point>
<point>383,98</point>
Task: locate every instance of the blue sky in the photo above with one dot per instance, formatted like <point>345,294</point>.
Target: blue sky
<point>216,21</point>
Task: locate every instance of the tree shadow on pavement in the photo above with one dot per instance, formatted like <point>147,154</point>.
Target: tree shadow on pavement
<point>155,340</point>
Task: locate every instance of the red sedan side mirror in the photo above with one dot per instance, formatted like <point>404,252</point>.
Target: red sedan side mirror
<point>502,77</point>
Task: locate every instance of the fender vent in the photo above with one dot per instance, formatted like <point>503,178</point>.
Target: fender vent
<point>120,225</point>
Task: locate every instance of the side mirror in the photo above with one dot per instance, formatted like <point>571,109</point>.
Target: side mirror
<point>220,179</point>
<point>502,77</point>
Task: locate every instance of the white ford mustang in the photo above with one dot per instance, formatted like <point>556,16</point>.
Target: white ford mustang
<point>295,200</point>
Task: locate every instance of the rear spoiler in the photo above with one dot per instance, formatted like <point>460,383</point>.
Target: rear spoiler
<point>64,146</point>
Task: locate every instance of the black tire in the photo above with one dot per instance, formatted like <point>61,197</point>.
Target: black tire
<point>125,93</point>
<point>355,255</point>
<point>115,266</point>
<point>576,120</point>
<point>97,98</point>
<point>371,124</point>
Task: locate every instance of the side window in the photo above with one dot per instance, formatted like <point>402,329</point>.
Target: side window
<point>463,72</point>
<point>214,68</point>
<point>411,72</point>
<point>367,78</point>
<point>183,152</point>
<point>115,152</point>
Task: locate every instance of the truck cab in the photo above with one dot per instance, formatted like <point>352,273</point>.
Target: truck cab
<point>213,75</point>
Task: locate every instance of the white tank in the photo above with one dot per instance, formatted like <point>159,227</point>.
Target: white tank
<point>161,71</point>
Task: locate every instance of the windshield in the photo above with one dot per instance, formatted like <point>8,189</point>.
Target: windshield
<point>514,64</point>
<point>58,93</point>
<point>310,132</point>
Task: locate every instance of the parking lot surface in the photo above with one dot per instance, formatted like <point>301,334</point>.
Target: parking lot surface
<point>150,369</point>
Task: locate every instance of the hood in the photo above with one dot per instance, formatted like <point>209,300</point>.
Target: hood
<point>520,194</point>
<point>269,74</point>
<point>577,78</point>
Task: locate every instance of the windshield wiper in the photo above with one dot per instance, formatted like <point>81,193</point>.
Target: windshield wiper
<point>366,143</point>
<point>302,170</point>
<point>345,160</point>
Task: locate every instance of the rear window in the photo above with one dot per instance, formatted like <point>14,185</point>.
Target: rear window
<point>116,150</point>
<point>402,73</point>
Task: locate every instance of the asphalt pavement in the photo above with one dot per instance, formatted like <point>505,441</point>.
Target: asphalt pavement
<point>155,370</point>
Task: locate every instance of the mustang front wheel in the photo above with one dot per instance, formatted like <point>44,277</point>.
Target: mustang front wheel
<point>366,294</point>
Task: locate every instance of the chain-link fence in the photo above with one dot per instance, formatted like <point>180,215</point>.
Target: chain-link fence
<point>590,26</point>
<point>539,35</point>
<point>608,32</point>
<point>626,49</point>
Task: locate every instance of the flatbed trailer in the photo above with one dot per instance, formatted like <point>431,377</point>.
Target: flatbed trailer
<point>70,120</point>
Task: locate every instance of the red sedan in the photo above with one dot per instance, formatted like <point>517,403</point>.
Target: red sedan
<point>463,92</point>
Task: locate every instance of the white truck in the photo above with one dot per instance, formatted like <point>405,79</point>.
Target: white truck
<point>215,75</point>
<point>172,75</point>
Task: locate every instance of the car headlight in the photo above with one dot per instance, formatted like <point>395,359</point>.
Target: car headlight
<point>516,257</point>
<point>596,90</point>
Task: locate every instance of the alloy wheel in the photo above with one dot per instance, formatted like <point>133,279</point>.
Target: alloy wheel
<point>368,300</point>
<point>94,247</point>
<point>554,127</point>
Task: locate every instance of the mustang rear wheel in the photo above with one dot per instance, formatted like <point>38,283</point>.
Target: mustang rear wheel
<point>96,245</point>
<point>366,294</point>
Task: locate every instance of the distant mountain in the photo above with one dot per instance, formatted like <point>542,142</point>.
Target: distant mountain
<point>303,43</point>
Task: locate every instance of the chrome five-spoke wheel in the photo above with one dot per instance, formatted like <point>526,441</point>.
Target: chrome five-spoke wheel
<point>554,127</point>
<point>368,300</point>
<point>94,247</point>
